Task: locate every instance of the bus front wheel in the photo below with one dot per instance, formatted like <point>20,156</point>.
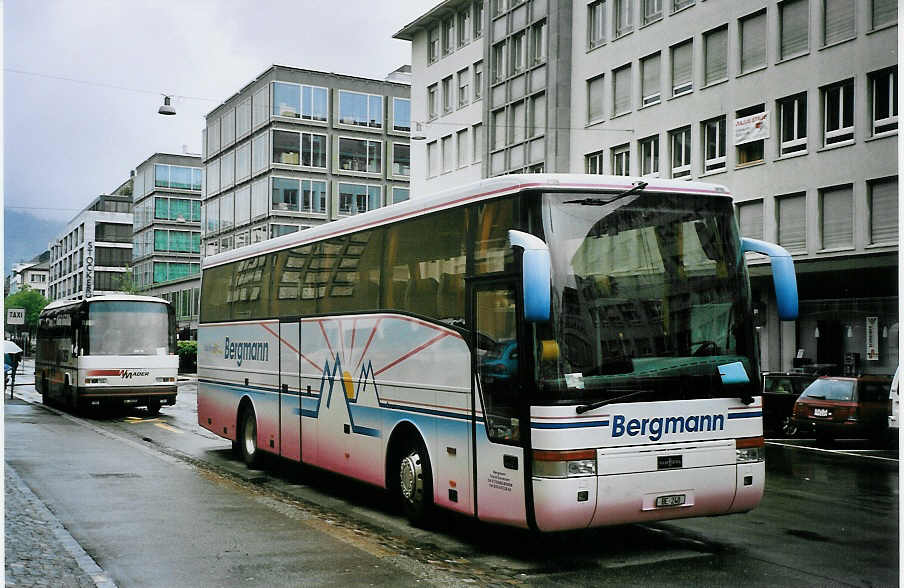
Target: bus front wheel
<point>248,438</point>
<point>416,484</point>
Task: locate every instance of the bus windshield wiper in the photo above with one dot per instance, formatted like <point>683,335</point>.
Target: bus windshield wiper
<point>636,188</point>
<point>587,407</point>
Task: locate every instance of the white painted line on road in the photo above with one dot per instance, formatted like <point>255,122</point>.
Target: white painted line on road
<point>84,561</point>
<point>834,451</point>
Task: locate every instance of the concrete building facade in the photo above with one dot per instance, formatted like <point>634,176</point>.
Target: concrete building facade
<point>296,148</point>
<point>33,273</point>
<point>92,254</point>
<point>166,243</point>
<point>791,104</point>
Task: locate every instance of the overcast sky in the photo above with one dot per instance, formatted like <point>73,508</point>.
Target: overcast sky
<point>66,142</point>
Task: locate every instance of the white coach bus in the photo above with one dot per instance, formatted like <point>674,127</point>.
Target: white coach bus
<point>112,350</point>
<point>544,351</point>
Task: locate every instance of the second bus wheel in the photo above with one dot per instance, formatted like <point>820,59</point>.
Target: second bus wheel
<point>248,438</point>
<point>154,406</point>
<point>416,484</point>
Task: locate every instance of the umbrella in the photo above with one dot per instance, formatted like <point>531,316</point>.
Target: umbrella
<point>10,347</point>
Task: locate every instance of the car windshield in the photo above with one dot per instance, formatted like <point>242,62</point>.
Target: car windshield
<point>650,298</point>
<point>128,328</point>
<point>826,389</point>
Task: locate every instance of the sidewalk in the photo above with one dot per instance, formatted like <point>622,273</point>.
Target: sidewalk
<point>39,550</point>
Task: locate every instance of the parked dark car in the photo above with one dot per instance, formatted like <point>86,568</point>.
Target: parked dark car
<point>780,392</point>
<point>836,407</point>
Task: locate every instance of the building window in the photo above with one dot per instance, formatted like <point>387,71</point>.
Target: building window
<point>478,80</point>
<point>621,91</point>
<point>753,41</point>
<point>499,7</point>
<point>499,128</point>
<point>750,149</point>
<point>883,211</point>
<point>278,230</point>
<point>464,87</point>
<point>432,159</point>
<point>518,124</point>
<point>164,241</point>
<point>883,12</point>
<point>499,62</point>
<point>884,89</point>
<point>838,21</point>
<point>358,198</point>
<point>750,219</point>
<point>259,199</point>
<point>433,45</point>
<point>447,95</point>
<point>477,133</point>
<point>243,118</point>
<point>838,105</point>
<point>649,156</point>
<point>461,139</point>
<point>624,22</point>
<point>652,10</point>
<point>448,161</point>
<point>363,110</point>
<point>595,98</point>
<point>401,159</point>
<point>177,176</point>
<point>596,24</point>
<point>401,115</point>
<point>792,113</point>
<point>681,152</point>
<point>621,161</point>
<point>649,71</point>
<point>431,101</point>
<point>682,68</point>
<point>794,23</point>
<point>448,36</point>
<point>594,163</point>
<point>464,26</point>
<point>307,149</point>
<point>679,4</point>
<point>836,213</point>
<point>400,194</point>
<point>792,222</point>
<point>715,47</point>
<point>284,193</point>
<point>360,155</point>
<point>259,159</point>
<point>298,101</point>
<point>537,115</point>
<point>538,43</point>
<point>517,52</point>
<point>714,144</point>
<point>478,19</point>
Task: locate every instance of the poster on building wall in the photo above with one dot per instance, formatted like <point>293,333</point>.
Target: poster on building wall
<point>751,128</point>
<point>872,338</point>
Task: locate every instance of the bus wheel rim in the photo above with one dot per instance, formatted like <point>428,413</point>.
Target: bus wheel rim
<point>411,477</point>
<point>250,443</point>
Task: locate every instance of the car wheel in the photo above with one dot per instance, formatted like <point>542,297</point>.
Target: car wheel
<point>789,427</point>
<point>416,483</point>
<point>248,438</point>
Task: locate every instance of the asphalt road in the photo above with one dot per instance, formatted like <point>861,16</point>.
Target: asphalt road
<point>162,502</point>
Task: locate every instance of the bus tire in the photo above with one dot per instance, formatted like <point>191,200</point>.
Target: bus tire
<point>415,483</point>
<point>154,406</point>
<point>248,438</point>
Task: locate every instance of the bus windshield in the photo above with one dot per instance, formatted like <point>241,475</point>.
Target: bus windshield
<point>650,298</point>
<point>128,328</point>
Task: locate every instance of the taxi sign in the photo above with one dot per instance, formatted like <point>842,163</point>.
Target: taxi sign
<point>15,316</point>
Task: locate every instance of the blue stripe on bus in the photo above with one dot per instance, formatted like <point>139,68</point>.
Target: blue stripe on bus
<point>745,415</point>
<point>569,425</point>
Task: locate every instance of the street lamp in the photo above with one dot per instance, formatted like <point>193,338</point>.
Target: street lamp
<point>166,108</point>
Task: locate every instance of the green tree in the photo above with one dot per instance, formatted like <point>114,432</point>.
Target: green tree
<point>31,300</point>
<point>127,283</point>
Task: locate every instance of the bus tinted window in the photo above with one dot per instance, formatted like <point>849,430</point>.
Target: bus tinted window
<point>128,328</point>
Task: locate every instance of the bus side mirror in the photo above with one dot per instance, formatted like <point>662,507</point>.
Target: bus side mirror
<point>535,275</point>
<point>782,275</point>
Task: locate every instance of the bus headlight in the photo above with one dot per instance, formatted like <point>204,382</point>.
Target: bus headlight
<point>95,380</point>
<point>564,464</point>
<point>750,449</point>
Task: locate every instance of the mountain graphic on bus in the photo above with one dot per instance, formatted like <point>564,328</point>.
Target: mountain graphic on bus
<point>338,378</point>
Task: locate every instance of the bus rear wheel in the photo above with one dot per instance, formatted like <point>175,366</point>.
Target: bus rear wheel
<point>248,438</point>
<point>154,406</point>
<point>416,484</point>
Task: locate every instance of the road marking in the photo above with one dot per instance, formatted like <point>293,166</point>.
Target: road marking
<point>834,451</point>
<point>166,427</point>
<point>132,420</point>
<point>643,559</point>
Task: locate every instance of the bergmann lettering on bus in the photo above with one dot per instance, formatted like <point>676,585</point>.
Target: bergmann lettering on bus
<point>655,428</point>
<point>246,350</point>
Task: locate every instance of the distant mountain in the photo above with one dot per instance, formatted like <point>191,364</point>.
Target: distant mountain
<point>25,236</point>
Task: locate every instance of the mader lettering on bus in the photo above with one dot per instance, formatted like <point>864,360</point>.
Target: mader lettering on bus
<point>246,350</point>
<point>655,428</point>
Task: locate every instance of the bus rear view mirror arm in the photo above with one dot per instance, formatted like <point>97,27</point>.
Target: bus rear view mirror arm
<point>535,275</point>
<point>782,275</point>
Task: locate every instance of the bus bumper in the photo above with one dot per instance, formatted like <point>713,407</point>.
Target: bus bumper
<point>127,396</point>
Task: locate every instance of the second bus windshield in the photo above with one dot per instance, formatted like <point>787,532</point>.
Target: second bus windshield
<point>649,296</point>
<point>128,328</point>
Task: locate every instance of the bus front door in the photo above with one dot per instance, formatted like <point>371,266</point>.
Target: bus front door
<point>499,449</point>
<point>289,392</point>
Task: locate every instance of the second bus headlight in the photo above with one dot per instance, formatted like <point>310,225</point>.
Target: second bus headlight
<point>564,464</point>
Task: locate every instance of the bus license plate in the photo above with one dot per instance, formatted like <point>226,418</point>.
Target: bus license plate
<point>670,500</point>
<point>823,412</point>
